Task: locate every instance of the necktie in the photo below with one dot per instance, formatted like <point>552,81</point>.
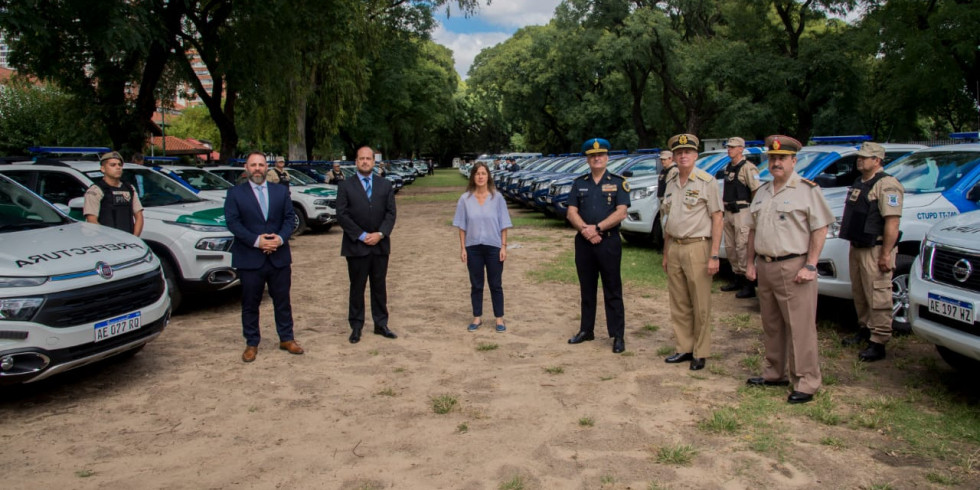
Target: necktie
<point>263,202</point>
<point>367,185</point>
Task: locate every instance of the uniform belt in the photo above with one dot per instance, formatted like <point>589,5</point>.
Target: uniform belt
<point>780,259</point>
<point>685,241</point>
<point>734,207</point>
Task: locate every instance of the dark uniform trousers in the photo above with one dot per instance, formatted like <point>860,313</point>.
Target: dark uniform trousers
<point>591,263</point>
<point>253,285</point>
<point>373,267</point>
<point>789,320</point>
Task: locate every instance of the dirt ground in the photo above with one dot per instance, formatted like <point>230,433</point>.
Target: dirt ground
<point>187,413</point>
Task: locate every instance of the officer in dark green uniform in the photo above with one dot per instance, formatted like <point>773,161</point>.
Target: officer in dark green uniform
<point>596,206</point>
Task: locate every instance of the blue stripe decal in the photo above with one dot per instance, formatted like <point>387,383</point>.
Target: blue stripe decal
<point>73,276</point>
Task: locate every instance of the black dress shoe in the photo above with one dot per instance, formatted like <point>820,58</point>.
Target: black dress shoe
<point>618,345</point>
<point>733,286</point>
<point>697,364</point>
<point>799,397</point>
<point>384,332</point>
<point>748,291</point>
<point>874,352</point>
<point>355,335</point>
<point>862,336</point>
<point>760,381</point>
<point>676,358</point>
<point>581,336</point>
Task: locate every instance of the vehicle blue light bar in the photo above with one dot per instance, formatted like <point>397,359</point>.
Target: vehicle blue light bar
<point>969,135</point>
<point>648,151</point>
<point>755,143</point>
<point>161,159</point>
<point>69,149</point>
<point>618,152</point>
<point>841,139</point>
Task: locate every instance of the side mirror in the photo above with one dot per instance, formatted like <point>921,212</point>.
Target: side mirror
<point>77,203</point>
<point>628,173</point>
<point>64,209</point>
<point>974,194</point>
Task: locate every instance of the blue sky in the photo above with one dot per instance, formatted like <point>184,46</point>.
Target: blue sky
<point>493,24</point>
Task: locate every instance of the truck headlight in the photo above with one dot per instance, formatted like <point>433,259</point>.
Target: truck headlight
<point>320,202</point>
<point>833,229</point>
<point>19,308</point>
<point>925,255</point>
<point>643,192</point>
<point>564,189</point>
<point>220,244</point>
<point>22,282</point>
<point>197,227</point>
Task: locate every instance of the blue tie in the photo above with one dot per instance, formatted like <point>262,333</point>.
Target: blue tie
<point>263,202</point>
<point>367,185</point>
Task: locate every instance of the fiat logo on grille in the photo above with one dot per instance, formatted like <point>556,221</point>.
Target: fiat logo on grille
<point>962,270</point>
<point>104,270</point>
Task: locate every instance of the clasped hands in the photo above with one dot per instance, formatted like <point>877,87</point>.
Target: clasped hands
<point>589,233</point>
<point>269,243</point>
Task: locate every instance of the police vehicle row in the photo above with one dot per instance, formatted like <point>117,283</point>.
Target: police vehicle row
<point>187,233</point>
<point>944,290</point>
<point>71,293</point>
<point>635,166</point>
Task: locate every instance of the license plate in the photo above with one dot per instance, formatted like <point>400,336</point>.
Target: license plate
<point>117,326</point>
<point>961,311</point>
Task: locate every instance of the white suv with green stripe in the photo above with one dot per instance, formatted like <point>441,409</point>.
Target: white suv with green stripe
<point>186,232</point>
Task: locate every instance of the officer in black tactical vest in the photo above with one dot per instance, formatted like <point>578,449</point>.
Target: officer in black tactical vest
<point>278,173</point>
<point>872,213</point>
<point>112,203</point>
<point>667,169</point>
<point>741,182</point>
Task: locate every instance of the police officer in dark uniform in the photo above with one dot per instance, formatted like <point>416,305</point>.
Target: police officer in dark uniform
<point>596,206</point>
<point>112,203</point>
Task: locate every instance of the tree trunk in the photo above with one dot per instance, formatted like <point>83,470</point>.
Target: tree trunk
<point>297,122</point>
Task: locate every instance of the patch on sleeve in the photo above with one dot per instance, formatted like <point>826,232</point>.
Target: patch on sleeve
<point>893,200</point>
<point>626,186</point>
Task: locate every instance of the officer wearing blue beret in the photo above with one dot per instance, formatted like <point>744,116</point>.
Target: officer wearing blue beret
<point>596,206</point>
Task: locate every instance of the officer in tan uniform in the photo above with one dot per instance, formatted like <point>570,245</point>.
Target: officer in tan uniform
<point>789,226</point>
<point>692,235</point>
<point>871,217</point>
<point>667,169</point>
<point>741,182</point>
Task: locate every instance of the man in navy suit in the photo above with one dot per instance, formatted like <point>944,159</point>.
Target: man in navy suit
<point>366,212</point>
<point>260,215</point>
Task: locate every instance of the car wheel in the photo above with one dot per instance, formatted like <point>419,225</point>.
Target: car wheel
<point>323,228</point>
<point>901,322</point>
<point>657,235</point>
<point>299,222</point>
<point>633,238</point>
<point>958,361</point>
<point>173,283</point>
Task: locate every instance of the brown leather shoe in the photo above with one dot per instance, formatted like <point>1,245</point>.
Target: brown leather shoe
<point>291,346</point>
<point>250,352</point>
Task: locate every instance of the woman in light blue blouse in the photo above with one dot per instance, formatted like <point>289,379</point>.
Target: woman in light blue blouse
<point>483,219</point>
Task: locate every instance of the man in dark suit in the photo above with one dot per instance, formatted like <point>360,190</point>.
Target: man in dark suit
<point>366,212</point>
<point>261,216</point>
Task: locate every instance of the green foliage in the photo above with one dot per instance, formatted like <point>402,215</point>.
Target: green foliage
<point>195,122</point>
<point>33,115</point>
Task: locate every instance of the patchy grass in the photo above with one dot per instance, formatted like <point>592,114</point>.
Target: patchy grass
<point>752,363</point>
<point>586,421</point>
<point>515,483</point>
<point>430,197</point>
<point>640,267</point>
<point>444,404</point>
<point>665,350</point>
<point>722,421</point>
<point>387,392</point>
<point>84,473</point>
<point>554,370</point>
<point>462,428</point>
<point>740,322</point>
<point>536,220</point>
<point>442,177</point>
<point>834,442</point>
<point>944,478</point>
<point>486,346</point>
<point>680,455</point>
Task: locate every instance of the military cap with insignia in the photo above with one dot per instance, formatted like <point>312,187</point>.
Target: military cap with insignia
<point>871,149</point>
<point>779,144</point>
<point>685,140</point>
<point>110,156</point>
<point>595,145</point>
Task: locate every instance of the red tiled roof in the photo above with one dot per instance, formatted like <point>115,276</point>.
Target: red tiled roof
<point>178,146</point>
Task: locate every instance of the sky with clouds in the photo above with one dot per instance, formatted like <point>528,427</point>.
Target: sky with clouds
<point>491,25</point>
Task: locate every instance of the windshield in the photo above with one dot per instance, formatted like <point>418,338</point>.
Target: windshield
<point>933,171</point>
<point>299,178</point>
<point>154,188</point>
<point>803,160</point>
<point>203,180</point>
<point>22,210</point>
<point>708,162</point>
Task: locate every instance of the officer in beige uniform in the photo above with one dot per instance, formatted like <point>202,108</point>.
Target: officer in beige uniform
<point>667,170</point>
<point>741,182</point>
<point>871,217</point>
<point>692,235</point>
<point>789,226</point>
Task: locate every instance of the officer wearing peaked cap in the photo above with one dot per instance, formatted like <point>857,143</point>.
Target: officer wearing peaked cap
<point>692,236</point>
<point>596,206</point>
<point>872,213</point>
<point>787,232</point>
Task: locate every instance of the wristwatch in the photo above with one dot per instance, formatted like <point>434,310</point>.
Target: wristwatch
<point>810,267</point>
<point>382,235</point>
<point>597,229</point>
<point>715,257</point>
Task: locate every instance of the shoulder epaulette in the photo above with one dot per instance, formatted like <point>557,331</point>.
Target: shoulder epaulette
<point>705,176</point>
<point>615,175</point>
<point>808,182</point>
<point>582,177</point>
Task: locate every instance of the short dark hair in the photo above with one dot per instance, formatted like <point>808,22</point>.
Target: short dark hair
<point>256,152</point>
